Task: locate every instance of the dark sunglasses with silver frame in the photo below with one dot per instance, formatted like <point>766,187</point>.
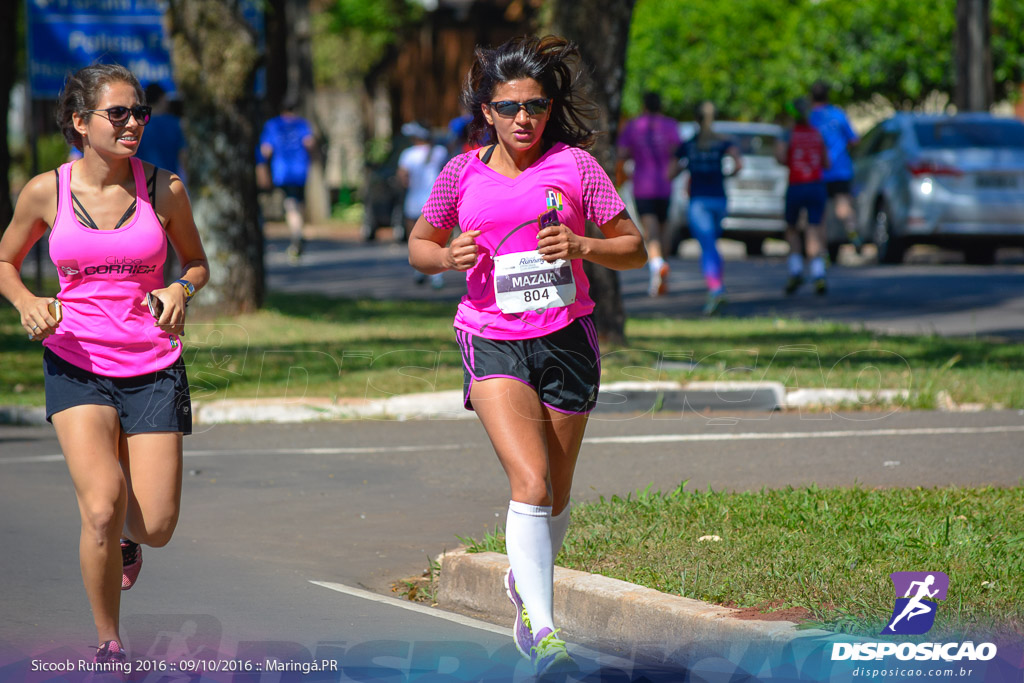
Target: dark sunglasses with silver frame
<point>510,108</point>
<point>118,116</point>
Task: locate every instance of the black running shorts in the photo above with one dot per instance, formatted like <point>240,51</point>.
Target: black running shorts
<point>658,207</point>
<point>834,187</point>
<point>155,402</point>
<point>563,367</point>
<point>296,192</point>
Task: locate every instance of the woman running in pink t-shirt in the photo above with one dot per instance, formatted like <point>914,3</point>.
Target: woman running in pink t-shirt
<point>116,390</point>
<point>529,347</point>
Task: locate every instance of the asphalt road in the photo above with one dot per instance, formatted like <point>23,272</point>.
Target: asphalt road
<point>268,509</point>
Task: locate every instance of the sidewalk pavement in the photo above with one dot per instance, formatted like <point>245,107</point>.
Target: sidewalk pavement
<point>615,397</point>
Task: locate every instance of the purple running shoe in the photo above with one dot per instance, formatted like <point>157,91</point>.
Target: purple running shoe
<point>521,631</point>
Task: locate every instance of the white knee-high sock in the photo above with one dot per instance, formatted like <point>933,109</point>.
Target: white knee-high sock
<point>559,525</point>
<point>528,544</point>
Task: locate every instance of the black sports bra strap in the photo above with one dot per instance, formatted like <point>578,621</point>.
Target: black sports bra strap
<point>151,186</point>
<point>486,158</point>
<point>127,214</point>
<point>83,216</point>
<point>85,219</point>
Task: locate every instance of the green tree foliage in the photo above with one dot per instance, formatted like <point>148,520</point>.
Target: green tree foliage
<point>750,56</point>
<point>353,35</point>
<point>1007,46</point>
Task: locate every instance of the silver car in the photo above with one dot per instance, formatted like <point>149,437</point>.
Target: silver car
<point>756,195</point>
<point>954,181</point>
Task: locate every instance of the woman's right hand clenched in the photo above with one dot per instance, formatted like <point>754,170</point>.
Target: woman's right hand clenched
<point>463,251</point>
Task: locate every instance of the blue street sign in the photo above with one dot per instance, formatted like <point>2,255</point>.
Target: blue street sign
<point>65,35</point>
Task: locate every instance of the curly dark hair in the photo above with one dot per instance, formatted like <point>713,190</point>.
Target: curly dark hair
<point>83,89</point>
<point>554,63</point>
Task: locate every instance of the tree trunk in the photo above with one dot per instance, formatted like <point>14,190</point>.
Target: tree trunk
<point>601,29</point>
<point>973,83</point>
<point>215,56</point>
<point>8,74</point>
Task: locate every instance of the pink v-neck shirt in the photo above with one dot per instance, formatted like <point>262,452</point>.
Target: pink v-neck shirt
<point>471,195</point>
<point>104,278</point>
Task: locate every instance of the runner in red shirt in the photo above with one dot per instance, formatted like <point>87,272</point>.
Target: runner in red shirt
<point>807,158</point>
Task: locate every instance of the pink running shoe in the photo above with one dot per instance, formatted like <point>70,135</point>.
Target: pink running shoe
<point>131,563</point>
<point>110,652</point>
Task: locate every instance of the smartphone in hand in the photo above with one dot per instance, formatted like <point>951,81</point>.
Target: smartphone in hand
<point>56,310</point>
<point>156,307</point>
<point>549,217</point>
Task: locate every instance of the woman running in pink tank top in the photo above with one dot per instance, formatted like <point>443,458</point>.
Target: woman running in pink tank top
<point>532,365</point>
<point>116,390</point>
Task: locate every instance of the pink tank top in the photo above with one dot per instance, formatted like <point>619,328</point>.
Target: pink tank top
<point>104,278</point>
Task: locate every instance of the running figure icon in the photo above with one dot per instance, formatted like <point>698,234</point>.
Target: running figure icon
<point>919,591</point>
<point>916,607</point>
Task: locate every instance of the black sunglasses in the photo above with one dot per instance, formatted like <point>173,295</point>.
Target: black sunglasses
<point>508,108</point>
<point>118,116</point>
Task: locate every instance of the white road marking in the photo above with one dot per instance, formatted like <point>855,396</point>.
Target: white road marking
<point>595,440</point>
<point>264,451</point>
<point>414,607</point>
<point>328,451</point>
<point>31,459</point>
<point>836,434</point>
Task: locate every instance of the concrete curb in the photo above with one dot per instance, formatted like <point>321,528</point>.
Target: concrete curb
<point>28,416</point>
<point>441,405</point>
<point>615,398</point>
<point>612,613</point>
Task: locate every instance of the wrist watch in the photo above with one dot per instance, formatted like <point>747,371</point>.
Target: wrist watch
<point>190,289</point>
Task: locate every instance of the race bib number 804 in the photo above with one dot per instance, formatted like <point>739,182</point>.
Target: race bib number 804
<point>524,281</point>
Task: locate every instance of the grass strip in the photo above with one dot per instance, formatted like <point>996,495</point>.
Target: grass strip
<point>827,550</point>
<point>303,345</point>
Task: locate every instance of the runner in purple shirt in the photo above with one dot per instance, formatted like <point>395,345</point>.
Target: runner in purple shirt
<point>650,141</point>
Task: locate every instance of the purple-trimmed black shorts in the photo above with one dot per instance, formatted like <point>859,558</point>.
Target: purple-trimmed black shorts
<point>563,367</point>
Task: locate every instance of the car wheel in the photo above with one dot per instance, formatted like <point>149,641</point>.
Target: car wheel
<point>891,249</point>
<point>980,255</point>
<point>754,245</point>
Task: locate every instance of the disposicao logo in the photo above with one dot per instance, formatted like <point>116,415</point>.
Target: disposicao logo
<point>916,595</point>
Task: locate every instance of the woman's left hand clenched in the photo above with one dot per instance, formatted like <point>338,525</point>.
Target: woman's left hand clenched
<point>559,242</point>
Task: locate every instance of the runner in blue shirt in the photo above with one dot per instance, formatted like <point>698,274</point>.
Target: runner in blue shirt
<point>839,138</point>
<point>287,142</point>
<point>702,156</point>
